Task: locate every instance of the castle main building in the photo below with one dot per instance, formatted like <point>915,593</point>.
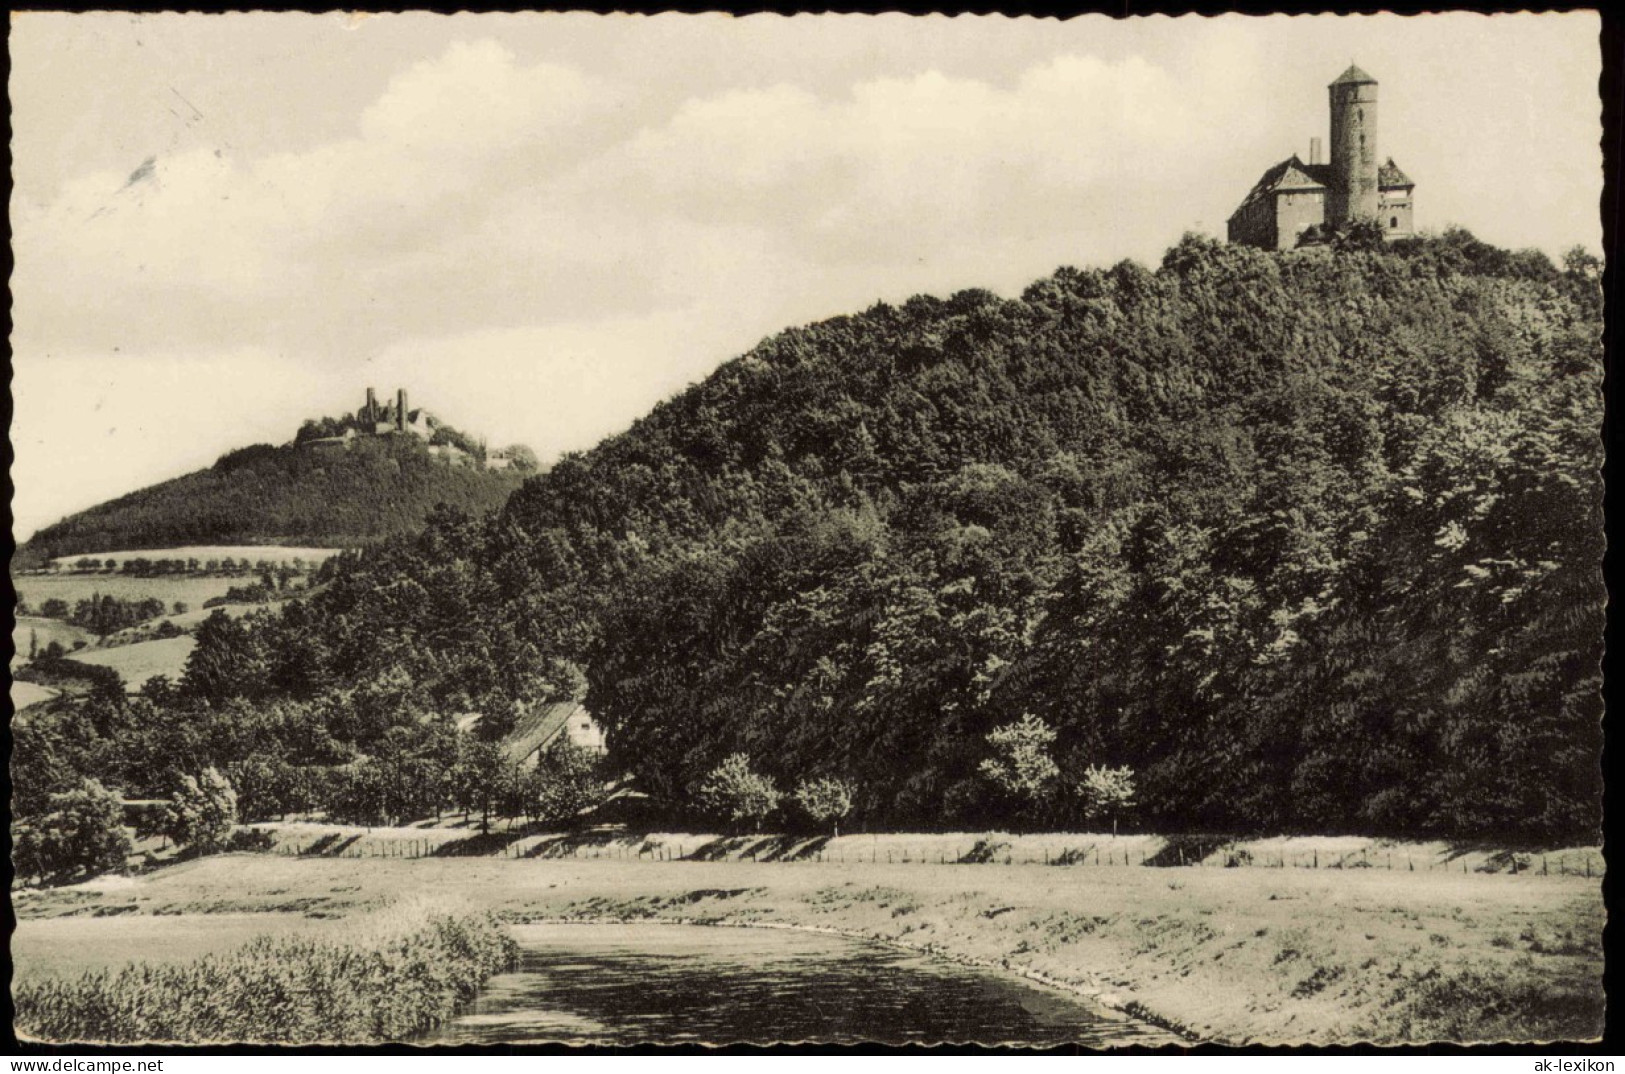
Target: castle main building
<point>1294,197</point>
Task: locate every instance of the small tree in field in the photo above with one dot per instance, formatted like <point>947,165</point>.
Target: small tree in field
<point>1107,792</point>
<point>1021,765</point>
<point>825,801</point>
<point>202,812</point>
<point>734,792</point>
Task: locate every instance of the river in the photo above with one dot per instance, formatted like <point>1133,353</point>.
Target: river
<point>631,984</point>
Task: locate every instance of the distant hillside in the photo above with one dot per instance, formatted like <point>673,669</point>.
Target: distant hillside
<point>376,487</point>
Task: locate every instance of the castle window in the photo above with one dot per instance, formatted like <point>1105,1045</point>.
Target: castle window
<point>1393,221</point>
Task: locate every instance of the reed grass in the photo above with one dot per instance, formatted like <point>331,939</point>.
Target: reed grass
<point>403,975</point>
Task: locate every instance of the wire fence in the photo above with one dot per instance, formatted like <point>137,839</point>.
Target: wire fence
<point>1196,855</point>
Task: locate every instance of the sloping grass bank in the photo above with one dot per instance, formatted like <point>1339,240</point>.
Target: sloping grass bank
<point>1229,955</point>
<point>403,976</point>
<point>454,836</point>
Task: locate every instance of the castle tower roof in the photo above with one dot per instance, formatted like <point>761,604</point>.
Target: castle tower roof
<point>1389,176</point>
<point>1353,74</point>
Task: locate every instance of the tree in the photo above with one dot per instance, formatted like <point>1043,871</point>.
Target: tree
<point>523,458</point>
<point>480,778</point>
<point>565,783</point>
<point>733,792</point>
<point>81,832</point>
<point>1021,765</point>
<point>825,801</point>
<point>1107,792</point>
<point>202,812</point>
<point>229,661</point>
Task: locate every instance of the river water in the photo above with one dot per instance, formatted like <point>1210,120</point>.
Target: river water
<point>631,984</point>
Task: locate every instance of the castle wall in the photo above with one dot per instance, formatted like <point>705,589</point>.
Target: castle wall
<point>1295,212</point>
<point>1254,224</point>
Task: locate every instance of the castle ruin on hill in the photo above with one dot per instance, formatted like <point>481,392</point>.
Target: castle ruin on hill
<point>397,419</point>
<point>1297,201</point>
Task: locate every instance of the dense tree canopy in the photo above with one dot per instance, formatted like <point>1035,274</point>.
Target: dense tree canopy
<point>1302,540</point>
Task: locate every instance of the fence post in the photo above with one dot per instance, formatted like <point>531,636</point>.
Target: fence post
<point>1588,866</point>
<point>1317,857</point>
<point>1543,871</point>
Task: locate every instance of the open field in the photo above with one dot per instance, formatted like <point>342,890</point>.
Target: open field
<point>44,632</point>
<point>186,621</point>
<point>194,590</point>
<point>139,662</point>
<point>67,947</point>
<point>1228,954</point>
<point>24,694</point>
<point>271,553</point>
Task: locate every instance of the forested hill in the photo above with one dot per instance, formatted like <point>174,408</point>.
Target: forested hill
<point>291,495</point>
<point>1307,540</point>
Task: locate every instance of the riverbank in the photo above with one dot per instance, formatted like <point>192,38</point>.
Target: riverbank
<point>1233,955</point>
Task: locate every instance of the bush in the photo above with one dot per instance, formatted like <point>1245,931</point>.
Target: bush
<point>285,991</point>
<point>202,813</point>
<point>80,833</point>
<point>733,792</point>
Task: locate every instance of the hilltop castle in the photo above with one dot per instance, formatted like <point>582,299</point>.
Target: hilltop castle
<point>397,419</point>
<point>1294,197</point>
<point>392,418</point>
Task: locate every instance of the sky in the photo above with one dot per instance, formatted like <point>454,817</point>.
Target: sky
<point>541,225</point>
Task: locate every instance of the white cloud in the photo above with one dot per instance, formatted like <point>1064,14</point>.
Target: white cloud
<point>543,239</point>
<point>234,244</point>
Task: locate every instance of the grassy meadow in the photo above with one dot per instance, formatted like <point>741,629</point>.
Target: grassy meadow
<point>141,661</point>
<point>27,628</point>
<point>24,694</point>
<point>191,589</point>
<point>1227,954</point>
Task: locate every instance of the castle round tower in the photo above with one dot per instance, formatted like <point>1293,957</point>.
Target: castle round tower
<point>1353,193</point>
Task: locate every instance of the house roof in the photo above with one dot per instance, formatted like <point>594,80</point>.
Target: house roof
<point>1291,174</point>
<point>1389,176</point>
<point>537,728</point>
<point>1353,74</point>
